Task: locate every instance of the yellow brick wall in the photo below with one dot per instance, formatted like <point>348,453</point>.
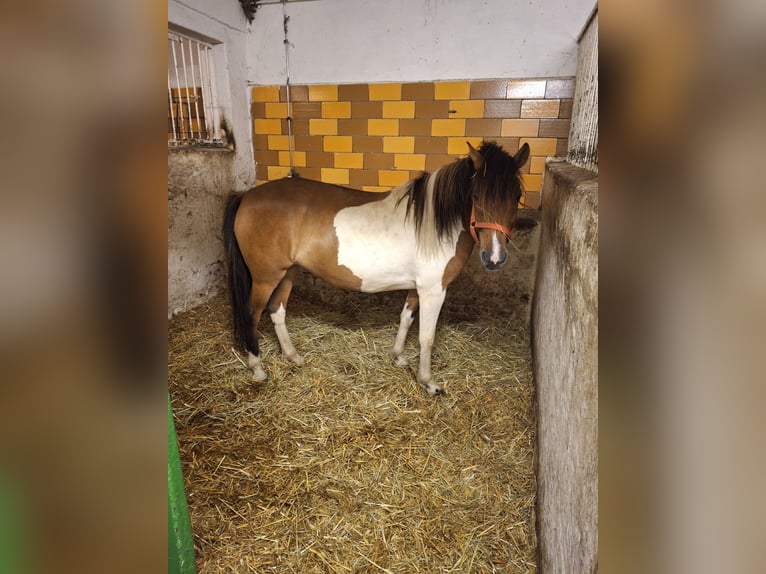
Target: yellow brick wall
<point>375,136</point>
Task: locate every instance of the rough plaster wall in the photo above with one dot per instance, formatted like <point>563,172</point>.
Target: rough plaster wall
<point>565,356</point>
<point>583,134</point>
<point>362,41</point>
<point>198,183</point>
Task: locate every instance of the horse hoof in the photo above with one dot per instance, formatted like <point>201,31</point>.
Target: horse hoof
<point>298,360</point>
<point>434,389</point>
<point>260,377</point>
<point>401,361</point>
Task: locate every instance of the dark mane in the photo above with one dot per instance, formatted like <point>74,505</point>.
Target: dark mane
<point>455,184</point>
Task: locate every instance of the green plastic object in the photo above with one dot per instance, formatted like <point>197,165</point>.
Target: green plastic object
<point>180,541</point>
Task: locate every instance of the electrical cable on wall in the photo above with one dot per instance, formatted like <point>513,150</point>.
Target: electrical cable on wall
<point>285,19</point>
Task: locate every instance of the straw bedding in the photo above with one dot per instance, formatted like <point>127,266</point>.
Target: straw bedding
<point>346,464</point>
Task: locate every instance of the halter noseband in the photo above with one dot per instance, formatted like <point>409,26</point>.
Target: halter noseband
<point>473,225</point>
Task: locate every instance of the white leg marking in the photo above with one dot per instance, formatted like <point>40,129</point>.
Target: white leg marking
<point>255,363</point>
<point>288,350</point>
<point>405,322</point>
<point>495,256</point>
<point>430,307</point>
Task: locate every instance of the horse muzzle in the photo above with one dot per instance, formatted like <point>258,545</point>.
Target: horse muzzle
<point>489,264</point>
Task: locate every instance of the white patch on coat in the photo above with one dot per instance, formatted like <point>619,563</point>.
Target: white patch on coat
<point>495,255</point>
<point>379,245</point>
<point>288,350</point>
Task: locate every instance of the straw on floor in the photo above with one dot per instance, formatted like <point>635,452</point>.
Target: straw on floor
<point>346,464</point>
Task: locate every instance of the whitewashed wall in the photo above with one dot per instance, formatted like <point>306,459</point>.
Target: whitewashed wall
<point>348,41</point>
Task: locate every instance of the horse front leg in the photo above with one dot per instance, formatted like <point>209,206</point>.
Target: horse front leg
<point>430,306</point>
<point>405,322</point>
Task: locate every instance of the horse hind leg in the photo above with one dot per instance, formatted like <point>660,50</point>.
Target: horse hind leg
<point>260,294</point>
<point>278,310</point>
<point>406,318</point>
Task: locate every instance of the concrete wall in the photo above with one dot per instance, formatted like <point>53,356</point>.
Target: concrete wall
<point>583,135</point>
<point>350,41</point>
<point>565,356</point>
<point>199,179</point>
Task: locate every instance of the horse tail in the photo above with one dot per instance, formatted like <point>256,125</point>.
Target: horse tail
<point>239,278</point>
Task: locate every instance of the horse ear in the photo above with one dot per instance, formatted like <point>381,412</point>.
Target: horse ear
<point>522,155</point>
<point>476,158</point>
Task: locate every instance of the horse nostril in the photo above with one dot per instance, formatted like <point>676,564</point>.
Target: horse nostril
<point>503,259</point>
<point>484,257</point>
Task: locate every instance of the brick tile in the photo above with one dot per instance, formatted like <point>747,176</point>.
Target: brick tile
<point>562,147</point>
<point>367,144</point>
<point>531,182</point>
<point>409,161</point>
<point>298,127</point>
<point>277,142</point>
<point>320,159</point>
<point>398,109</point>
<point>509,144</point>
<point>519,128</point>
<point>267,157</point>
<point>448,127</point>
<point>531,199</point>
<point>354,92</point>
<point>390,92</point>
<point>554,128</point>
<point>418,91</point>
<point>265,94</point>
<point>378,161</point>
<point>337,143</point>
<point>323,93</point>
<point>565,109</point>
<point>431,145</point>
<point>352,127</point>
<point>258,110</point>
<point>563,88</point>
<point>386,127</point>
<point>275,110</point>
<point>398,144</point>
<point>349,160</point>
<point>262,171</point>
<point>540,146</point>
<point>307,109</point>
<point>457,146</point>
<point>260,142</point>
<point>361,110</point>
<point>392,178</point>
<point>335,175</point>
<point>277,172</point>
<point>466,109</point>
<point>434,162</point>
<point>452,90</point>
<point>377,188</point>
<point>323,127</point>
<point>493,89</point>
<point>336,109</point>
<point>262,126</point>
<point>432,110</point>
<point>540,109</point>
<point>312,173</point>
<point>299,158</point>
<point>297,94</point>
<point>502,108</point>
<point>309,143</point>
<point>526,89</point>
<point>484,128</point>
<point>415,127</point>
<point>361,177</point>
<point>537,164</point>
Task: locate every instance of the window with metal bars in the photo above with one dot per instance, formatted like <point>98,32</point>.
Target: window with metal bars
<point>193,115</point>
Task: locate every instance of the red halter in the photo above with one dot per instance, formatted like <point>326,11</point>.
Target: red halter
<point>481,224</point>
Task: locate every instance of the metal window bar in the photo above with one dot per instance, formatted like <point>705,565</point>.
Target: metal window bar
<point>192,113</point>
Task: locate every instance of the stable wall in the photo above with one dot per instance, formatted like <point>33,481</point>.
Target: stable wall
<point>351,41</point>
<point>565,362</point>
<point>199,178</point>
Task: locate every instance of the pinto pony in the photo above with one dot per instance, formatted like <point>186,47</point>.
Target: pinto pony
<point>417,237</point>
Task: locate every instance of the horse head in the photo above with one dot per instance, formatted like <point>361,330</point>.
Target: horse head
<point>495,193</point>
